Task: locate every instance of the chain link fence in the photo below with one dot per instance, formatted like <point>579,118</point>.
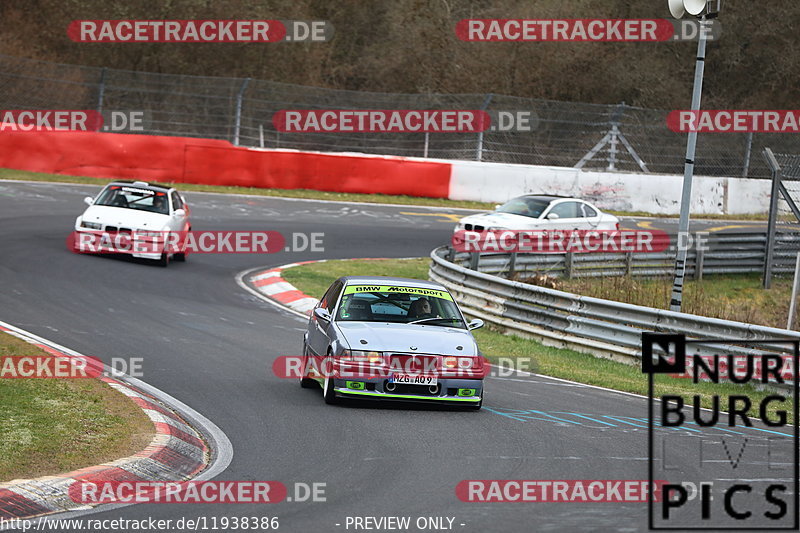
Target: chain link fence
<point>590,136</point>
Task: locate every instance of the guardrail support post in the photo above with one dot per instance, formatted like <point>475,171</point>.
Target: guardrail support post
<point>568,257</point>
<point>474,257</point>
<point>451,254</point>
<point>699,260</point>
<point>512,265</point>
<point>628,263</point>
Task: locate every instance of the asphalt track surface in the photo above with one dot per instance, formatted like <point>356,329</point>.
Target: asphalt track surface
<point>210,344</point>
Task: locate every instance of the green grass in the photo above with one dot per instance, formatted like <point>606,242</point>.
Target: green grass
<point>11,174</point>
<point>52,426</point>
<point>315,278</point>
<point>736,297</point>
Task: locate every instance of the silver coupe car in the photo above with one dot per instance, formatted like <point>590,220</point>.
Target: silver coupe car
<point>392,338</point>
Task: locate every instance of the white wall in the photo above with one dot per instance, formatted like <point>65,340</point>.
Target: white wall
<point>652,193</point>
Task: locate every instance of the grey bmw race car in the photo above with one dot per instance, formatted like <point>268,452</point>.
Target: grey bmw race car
<point>392,338</point>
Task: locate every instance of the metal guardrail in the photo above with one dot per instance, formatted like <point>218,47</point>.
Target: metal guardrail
<point>603,327</point>
<point>725,253</point>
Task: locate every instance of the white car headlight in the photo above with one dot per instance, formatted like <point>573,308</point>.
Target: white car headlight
<point>91,225</point>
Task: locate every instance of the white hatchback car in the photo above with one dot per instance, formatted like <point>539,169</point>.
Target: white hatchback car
<point>541,212</point>
<point>147,210</point>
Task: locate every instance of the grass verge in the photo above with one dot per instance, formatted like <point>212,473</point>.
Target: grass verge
<point>11,174</point>
<point>51,426</point>
<point>314,279</point>
<point>738,297</point>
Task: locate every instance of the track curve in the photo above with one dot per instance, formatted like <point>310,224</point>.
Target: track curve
<point>210,345</point>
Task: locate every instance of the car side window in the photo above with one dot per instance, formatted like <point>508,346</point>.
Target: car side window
<point>588,211</point>
<point>331,297</point>
<point>567,210</point>
<point>177,203</point>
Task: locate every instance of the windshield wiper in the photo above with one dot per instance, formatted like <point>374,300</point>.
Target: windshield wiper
<point>432,318</point>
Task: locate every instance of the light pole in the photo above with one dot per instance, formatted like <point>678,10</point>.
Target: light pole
<point>701,9</point>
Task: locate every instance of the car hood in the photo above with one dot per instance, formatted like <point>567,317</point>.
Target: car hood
<point>501,220</point>
<point>123,217</point>
<point>383,337</point>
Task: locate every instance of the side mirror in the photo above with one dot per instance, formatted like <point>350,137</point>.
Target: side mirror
<point>475,324</point>
<point>179,213</point>
<point>322,314</point>
<point>553,216</point>
<point>88,200</point>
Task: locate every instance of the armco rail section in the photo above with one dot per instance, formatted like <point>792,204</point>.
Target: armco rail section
<point>602,327</point>
<point>722,253</point>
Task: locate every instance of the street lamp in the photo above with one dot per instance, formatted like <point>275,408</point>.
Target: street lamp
<point>702,9</point>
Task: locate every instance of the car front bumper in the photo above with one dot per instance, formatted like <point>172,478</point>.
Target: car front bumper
<point>459,391</point>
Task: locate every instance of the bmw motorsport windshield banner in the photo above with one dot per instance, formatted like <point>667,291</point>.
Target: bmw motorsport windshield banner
<point>351,289</point>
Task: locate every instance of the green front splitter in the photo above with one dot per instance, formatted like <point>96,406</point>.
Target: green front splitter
<point>407,396</point>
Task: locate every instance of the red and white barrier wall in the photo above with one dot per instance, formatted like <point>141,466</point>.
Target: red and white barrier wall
<point>215,162</point>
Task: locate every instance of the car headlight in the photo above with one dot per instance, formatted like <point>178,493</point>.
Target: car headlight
<point>362,357</point>
<point>90,225</point>
<point>147,233</point>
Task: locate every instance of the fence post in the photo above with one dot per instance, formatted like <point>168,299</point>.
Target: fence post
<point>568,264</point>
<point>427,141</point>
<point>773,214</point>
<point>747,150</point>
<point>628,263</point>
<point>512,265</point>
<point>479,151</point>
<point>101,91</point>
<point>261,135</point>
<point>238,122</point>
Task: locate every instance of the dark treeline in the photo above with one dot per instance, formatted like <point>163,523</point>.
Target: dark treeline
<point>410,46</point>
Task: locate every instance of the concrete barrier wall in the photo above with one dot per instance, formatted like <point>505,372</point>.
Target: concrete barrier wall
<point>215,162</point>
<point>652,193</point>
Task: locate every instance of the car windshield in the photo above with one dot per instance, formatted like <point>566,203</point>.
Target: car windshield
<point>134,198</point>
<point>405,305</point>
<point>527,207</point>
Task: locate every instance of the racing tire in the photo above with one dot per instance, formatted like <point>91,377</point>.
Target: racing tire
<point>164,261</point>
<point>306,383</point>
<point>181,256</point>
<point>327,389</point>
<point>475,406</point>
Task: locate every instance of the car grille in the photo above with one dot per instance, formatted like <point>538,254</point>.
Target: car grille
<point>115,229</point>
<point>470,227</point>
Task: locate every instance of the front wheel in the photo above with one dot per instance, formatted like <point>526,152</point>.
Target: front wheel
<point>164,261</point>
<point>306,383</point>
<point>327,388</point>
